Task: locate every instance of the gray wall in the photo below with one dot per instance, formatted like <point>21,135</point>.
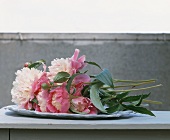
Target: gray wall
<point>127,56</point>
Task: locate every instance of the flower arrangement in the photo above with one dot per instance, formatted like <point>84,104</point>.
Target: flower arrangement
<point>66,88</point>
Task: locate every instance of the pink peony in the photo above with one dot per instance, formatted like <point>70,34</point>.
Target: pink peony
<point>36,86</point>
<point>77,63</point>
<point>28,106</point>
<point>82,78</point>
<point>39,93</point>
<point>83,105</point>
<point>58,100</point>
<point>79,83</point>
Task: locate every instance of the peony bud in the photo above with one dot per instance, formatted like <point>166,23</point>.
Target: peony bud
<point>27,64</point>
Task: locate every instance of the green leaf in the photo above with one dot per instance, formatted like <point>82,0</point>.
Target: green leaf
<point>85,71</point>
<point>105,77</point>
<point>105,99</point>
<point>85,91</point>
<point>112,102</point>
<point>138,103</point>
<point>34,100</point>
<point>95,98</point>
<point>104,93</point>
<point>117,107</point>
<point>37,64</point>
<point>34,65</point>
<point>113,109</point>
<point>122,95</point>
<point>69,82</point>
<point>61,77</point>
<point>93,63</point>
<point>138,109</point>
<point>135,98</point>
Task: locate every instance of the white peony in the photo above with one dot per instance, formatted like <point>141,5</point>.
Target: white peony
<point>22,86</point>
<point>58,65</point>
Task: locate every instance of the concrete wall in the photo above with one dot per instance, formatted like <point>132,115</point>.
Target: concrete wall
<point>127,56</point>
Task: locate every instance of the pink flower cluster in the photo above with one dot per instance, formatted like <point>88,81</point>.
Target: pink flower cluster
<point>55,97</point>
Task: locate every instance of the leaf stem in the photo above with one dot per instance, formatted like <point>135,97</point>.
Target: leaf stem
<point>133,81</point>
<point>129,85</point>
<point>151,101</point>
<point>90,83</point>
<point>135,89</point>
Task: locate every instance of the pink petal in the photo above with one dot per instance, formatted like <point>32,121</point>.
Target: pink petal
<point>76,53</point>
<point>82,59</point>
<point>76,65</point>
<point>83,78</point>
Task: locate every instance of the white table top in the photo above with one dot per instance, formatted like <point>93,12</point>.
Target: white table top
<point>10,120</point>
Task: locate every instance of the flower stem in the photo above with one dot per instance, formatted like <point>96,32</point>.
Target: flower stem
<point>151,101</point>
<point>134,85</point>
<point>90,83</point>
<point>133,81</point>
<point>129,85</point>
<point>135,89</point>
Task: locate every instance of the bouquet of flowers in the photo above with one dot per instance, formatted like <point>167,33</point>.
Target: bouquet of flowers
<point>66,88</point>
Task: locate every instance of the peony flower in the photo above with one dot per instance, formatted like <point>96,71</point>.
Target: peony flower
<point>77,63</point>
<point>79,83</point>
<point>83,105</point>
<point>59,65</point>
<point>39,93</point>
<point>27,106</point>
<point>22,86</point>
<point>36,86</point>
<point>58,100</point>
<point>42,101</point>
<point>82,78</point>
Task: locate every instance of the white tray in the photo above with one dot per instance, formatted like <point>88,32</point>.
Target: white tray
<point>25,112</point>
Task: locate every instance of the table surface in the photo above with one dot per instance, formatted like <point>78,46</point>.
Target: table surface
<point>11,120</point>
